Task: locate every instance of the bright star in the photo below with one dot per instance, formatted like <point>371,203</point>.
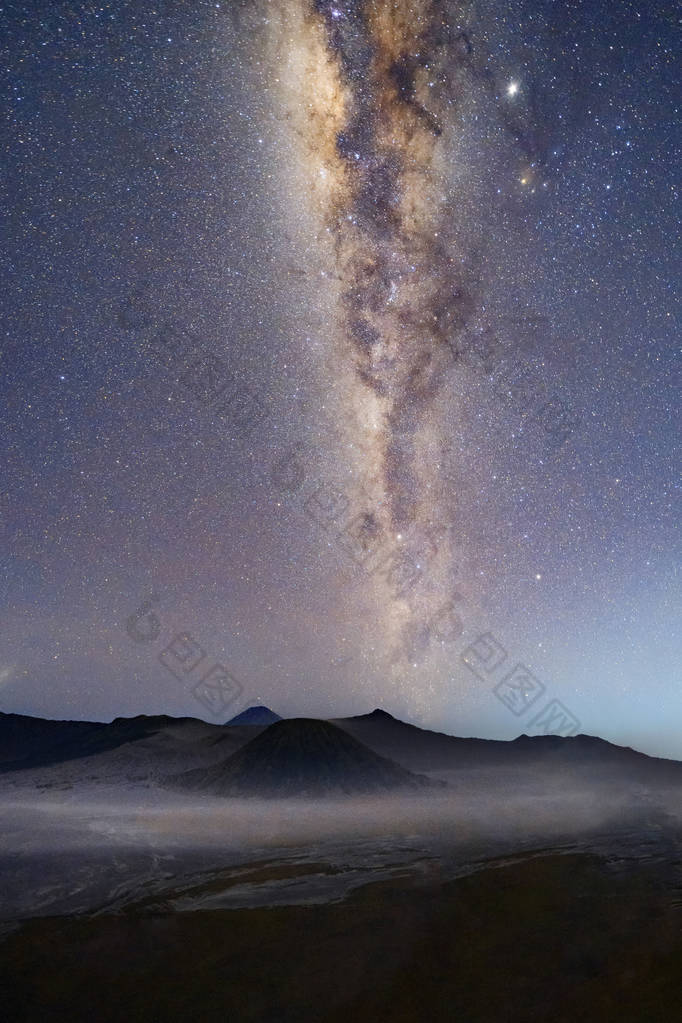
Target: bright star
<point>512,88</point>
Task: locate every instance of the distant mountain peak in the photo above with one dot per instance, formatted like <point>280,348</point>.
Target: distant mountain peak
<point>256,715</point>
<point>580,739</point>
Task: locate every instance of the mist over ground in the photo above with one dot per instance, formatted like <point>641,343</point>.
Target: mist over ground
<point>87,845</point>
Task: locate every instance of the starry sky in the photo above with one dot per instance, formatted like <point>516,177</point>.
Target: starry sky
<point>339,363</point>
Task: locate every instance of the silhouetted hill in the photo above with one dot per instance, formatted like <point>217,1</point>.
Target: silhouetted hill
<point>302,757</point>
<point>156,741</point>
<point>35,742</point>
<point>255,716</point>
<point>23,737</point>
<point>419,749</point>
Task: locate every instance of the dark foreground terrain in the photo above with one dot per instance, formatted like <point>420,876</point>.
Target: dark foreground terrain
<point>356,871</point>
<point>552,937</point>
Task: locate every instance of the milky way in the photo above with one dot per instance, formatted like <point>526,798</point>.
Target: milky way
<point>380,86</point>
<point>426,248</point>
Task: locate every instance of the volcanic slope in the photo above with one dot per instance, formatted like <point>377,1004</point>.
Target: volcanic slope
<point>302,757</point>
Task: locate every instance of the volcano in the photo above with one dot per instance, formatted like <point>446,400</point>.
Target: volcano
<point>302,757</point>
<point>258,715</point>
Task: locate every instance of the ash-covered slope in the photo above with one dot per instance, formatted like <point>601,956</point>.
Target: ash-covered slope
<point>302,757</point>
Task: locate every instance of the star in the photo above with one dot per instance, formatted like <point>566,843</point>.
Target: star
<point>455,286</point>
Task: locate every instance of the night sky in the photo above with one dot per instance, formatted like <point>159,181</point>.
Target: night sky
<point>339,363</point>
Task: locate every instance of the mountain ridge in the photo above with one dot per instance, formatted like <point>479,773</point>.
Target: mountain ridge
<point>29,741</point>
